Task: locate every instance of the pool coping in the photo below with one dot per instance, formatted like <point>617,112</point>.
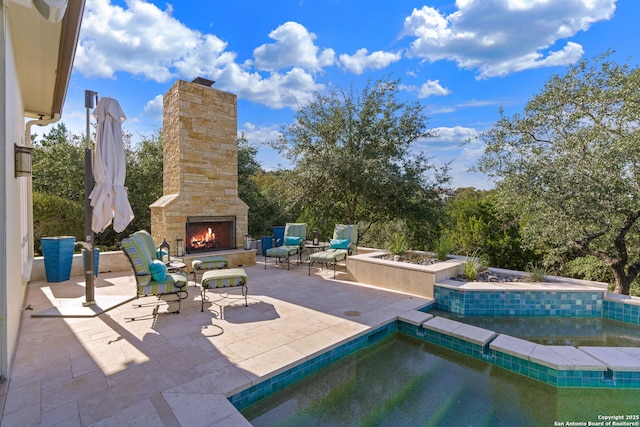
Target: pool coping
<point>582,366</point>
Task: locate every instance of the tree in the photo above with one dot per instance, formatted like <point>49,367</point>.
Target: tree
<point>58,165</point>
<point>254,190</point>
<point>56,216</point>
<point>570,165</point>
<point>474,223</point>
<point>143,181</point>
<point>58,179</point>
<point>353,160</point>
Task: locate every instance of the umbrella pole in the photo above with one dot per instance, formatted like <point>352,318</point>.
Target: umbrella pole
<point>89,98</point>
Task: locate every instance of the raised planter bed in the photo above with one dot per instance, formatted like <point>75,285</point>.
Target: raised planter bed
<point>400,276</point>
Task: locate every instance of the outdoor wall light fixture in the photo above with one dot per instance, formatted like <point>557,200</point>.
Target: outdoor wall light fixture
<point>51,10</point>
<point>22,160</point>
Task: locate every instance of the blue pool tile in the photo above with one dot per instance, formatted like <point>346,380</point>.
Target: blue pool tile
<point>269,386</point>
<point>519,303</point>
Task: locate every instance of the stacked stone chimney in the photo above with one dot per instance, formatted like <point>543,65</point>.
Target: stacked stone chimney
<point>200,155</point>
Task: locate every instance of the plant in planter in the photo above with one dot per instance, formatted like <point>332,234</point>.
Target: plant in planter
<point>474,265</point>
<point>399,246</point>
<point>537,272</point>
<point>441,247</point>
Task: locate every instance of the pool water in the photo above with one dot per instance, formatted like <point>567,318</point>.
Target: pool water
<point>403,381</point>
<point>557,330</point>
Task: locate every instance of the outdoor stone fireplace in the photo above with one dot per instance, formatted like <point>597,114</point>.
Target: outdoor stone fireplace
<point>200,202</point>
<point>210,233</point>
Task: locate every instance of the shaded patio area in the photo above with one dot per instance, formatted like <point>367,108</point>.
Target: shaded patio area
<point>178,369</point>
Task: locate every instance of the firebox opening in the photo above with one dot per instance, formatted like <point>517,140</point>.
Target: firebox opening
<point>210,233</point>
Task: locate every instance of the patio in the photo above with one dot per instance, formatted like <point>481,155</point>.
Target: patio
<point>178,369</point>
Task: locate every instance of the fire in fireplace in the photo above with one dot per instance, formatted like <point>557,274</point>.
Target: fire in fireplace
<point>210,233</point>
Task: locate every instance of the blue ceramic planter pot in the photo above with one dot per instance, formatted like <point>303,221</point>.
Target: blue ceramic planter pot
<point>58,255</point>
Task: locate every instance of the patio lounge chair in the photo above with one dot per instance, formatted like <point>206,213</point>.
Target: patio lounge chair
<point>152,277</point>
<point>294,241</point>
<point>344,243</point>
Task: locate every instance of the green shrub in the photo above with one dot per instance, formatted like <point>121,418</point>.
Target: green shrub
<point>537,272</point>
<point>399,245</point>
<point>56,216</point>
<point>588,268</point>
<point>441,247</point>
<point>474,265</point>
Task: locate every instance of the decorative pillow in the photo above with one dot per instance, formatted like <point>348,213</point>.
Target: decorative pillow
<point>158,270</point>
<point>339,243</point>
<point>292,241</point>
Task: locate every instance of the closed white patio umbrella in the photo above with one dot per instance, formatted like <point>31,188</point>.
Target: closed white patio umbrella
<point>109,196</point>
<point>106,202</point>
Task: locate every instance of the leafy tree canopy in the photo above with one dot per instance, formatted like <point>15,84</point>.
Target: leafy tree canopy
<point>353,160</point>
<point>56,216</point>
<point>570,165</point>
<point>143,182</point>
<point>255,190</point>
<point>474,224</point>
<point>58,164</point>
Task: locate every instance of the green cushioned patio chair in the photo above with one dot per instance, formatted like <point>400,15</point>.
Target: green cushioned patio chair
<point>152,277</point>
<point>343,244</point>
<point>295,235</point>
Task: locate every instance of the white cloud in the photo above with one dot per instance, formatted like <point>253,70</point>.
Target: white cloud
<point>428,88</point>
<point>432,87</point>
<point>499,37</point>
<point>294,47</point>
<point>154,108</point>
<point>448,141</point>
<point>461,148</point>
<point>259,135</point>
<point>141,40</point>
<point>292,89</point>
<point>458,134</point>
<point>149,43</point>
<point>362,60</point>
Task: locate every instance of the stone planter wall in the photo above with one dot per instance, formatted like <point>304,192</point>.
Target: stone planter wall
<point>109,261</point>
<point>117,261</point>
<point>400,276</point>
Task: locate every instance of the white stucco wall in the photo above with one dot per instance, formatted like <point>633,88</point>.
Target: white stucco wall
<point>13,205</point>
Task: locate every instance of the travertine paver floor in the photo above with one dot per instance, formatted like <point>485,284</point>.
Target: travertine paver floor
<point>176,370</point>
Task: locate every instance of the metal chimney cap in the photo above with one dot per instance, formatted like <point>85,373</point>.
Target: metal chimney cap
<point>202,81</point>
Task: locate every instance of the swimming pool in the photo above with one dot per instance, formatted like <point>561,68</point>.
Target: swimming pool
<point>404,381</point>
<point>573,331</point>
<point>587,373</point>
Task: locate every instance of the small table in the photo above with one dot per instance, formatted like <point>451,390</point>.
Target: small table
<point>174,266</point>
<point>316,248</point>
<point>177,266</point>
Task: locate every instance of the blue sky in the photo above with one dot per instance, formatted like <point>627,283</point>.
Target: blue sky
<point>462,60</point>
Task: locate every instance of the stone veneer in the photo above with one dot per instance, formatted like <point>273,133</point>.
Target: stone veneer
<point>200,158</point>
